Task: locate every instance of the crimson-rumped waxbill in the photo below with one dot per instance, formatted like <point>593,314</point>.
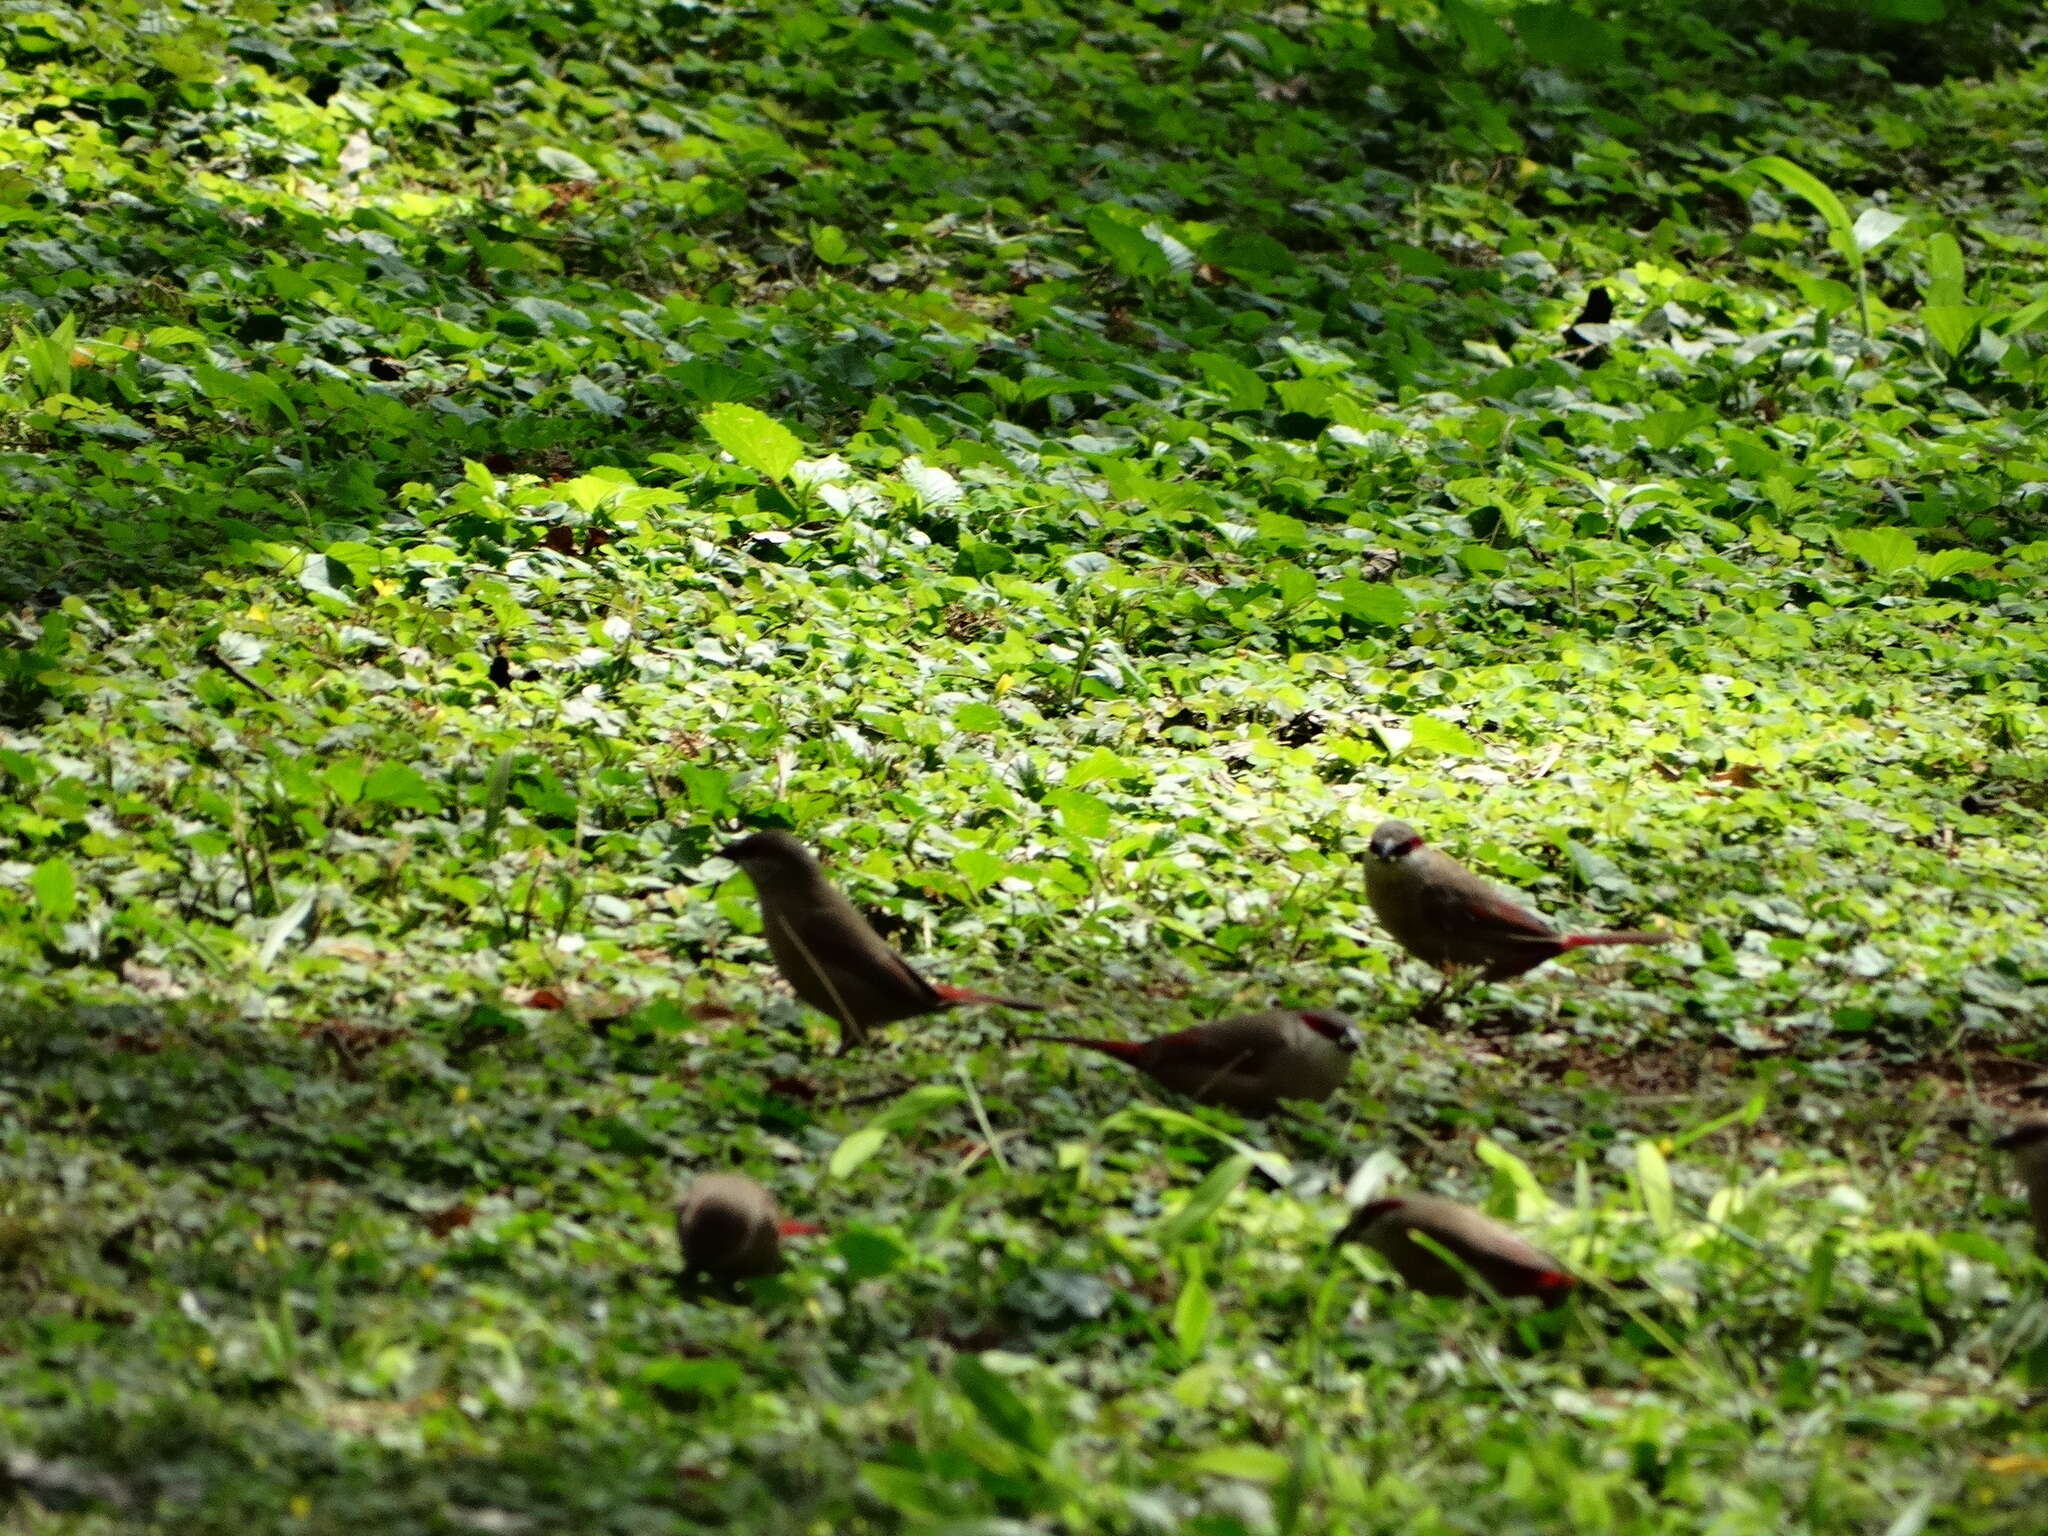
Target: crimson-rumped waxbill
<point>826,950</point>
<point>730,1228</point>
<point>1251,1063</point>
<point>1505,1261</point>
<point>2028,1143</point>
<point>1439,911</point>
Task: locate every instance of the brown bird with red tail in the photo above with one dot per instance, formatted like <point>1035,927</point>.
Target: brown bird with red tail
<point>826,950</point>
<point>1508,1264</point>
<point>1251,1063</point>
<point>1439,911</point>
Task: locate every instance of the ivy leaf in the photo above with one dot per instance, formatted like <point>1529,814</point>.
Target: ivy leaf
<point>756,440</point>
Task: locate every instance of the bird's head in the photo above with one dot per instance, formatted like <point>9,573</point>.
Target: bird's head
<point>773,850</point>
<point>2027,1134</point>
<point>1333,1027</point>
<point>1393,841</point>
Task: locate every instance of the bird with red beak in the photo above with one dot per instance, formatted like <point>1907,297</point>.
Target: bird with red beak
<point>1252,1063</point>
<point>828,953</point>
<point>1442,913</point>
<point>730,1228</point>
<point>1439,1247</point>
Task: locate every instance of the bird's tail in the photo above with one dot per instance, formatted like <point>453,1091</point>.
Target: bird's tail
<point>1634,936</point>
<point>788,1228</point>
<point>958,997</point>
<point>1122,1050</point>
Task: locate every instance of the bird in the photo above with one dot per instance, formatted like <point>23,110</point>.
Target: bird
<point>828,952</point>
<point>1442,913</point>
<point>729,1228</point>
<point>1250,1063</point>
<point>1508,1264</point>
<point>2027,1141</point>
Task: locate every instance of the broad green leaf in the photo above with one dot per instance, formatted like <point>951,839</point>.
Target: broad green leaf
<point>1249,1463</point>
<point>999,1406</point>
<point>1442,736</point>
<point>1204,1201</point>
<point>672,1374</point>
<point>828,244</point>
<point>595,398</point>
<point>1886,551</point>
<point>855,1149</point>
<point>1483,37</point>
<point>401,785</point>
<point>1371,602</point>
<point>1803,183</point>
<point>55,889</point>
<point>568,166</point>
<point>1245,390</point>
<point>1944,563</point>
<point>756,440</point>
<point>1952,327</point>
<point>1944,270</point>
<point>1530,1196</point>
<point>1566,38</point>
<point>979,718</point>
<point>1653,1184</point>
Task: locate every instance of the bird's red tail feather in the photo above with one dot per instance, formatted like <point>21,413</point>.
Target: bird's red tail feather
<point>789,1228</point>
<point>1588,940</point>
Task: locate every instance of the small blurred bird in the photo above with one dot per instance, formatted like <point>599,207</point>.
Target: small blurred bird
<point>2027,1141</point>
<point>827,951</point>
<point>729,1228</point>
<point>1440,912</point>
<point>1505,1261</point>
<point>1251,1063</point>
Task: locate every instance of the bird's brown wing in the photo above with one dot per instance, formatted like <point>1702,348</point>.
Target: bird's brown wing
<point>1466,904</point>
<point>862,976</point>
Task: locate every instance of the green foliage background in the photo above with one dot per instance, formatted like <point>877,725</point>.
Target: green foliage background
<point>1082,466</point>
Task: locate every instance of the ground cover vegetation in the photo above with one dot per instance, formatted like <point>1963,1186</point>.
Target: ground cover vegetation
<point>1081,466</point>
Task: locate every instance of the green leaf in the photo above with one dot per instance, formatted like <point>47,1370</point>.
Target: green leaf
<point>1442,736</point>
<point>401,785</point>
<point>1886,551</point>
<point>1128,247</point>
<point>1803,183</point>
<point>55,889</point>
<point>999,1406</point>
<point>1566,39</point>
<point>282,927</point>
<point>713,1375</point>
<point>565,165</point>
<point>1248,1463</point>
<point>1371,602</point>
<point>1205,1201</point>
<point>1243,388</point>
<point>1530,1196</point>
<point>1653,1184</point>
<point>756,440</point>
<point>1944,270</point>
<point>978,718</point>
<point>596,399</point>
<point>828,244</point>
<point>855,1149</point>
<point>917,1106</point>
<point>1942,564</point>
<point>870,1253</point>
<point>1083,815</point>
<point>1193,1311</point>
<point>1952,327</point>
<point>1483,37</point>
